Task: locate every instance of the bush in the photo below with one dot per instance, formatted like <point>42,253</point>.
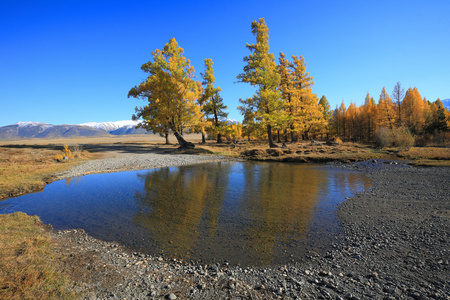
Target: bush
<point>77,150</point>
<point>402,138</point>
<point>399,137</point>
<point>67,153</point>
<point>442,138</point>
<point>383,137</point>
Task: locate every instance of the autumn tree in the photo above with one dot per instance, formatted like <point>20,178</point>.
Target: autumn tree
<point>413,111</point>
<point>286,88</point>
<point>369,116</point>
<point>249,124</point>
<point>326,112</point>
<point>213,106</point>
<point>339,120</point>
<point>200,126</point>
<point>304,102</point>
<point>260,71</point>
<point>171,92</point>
<point>326,107</point>
<point>437,120</point>
<point>303,113</point>
<point>386,110</point>
<point>397,95</point>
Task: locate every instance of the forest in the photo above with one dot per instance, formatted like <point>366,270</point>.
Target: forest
<point>283,109</point>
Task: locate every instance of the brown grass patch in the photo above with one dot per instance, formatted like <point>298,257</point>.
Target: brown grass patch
<point>303,151</point>
<point>432,153</point>
<point>427,156</point>
<point>27,265</point>
<point>25,169</point>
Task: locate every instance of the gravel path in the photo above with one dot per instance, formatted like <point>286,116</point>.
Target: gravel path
<point>137,162</point>
<point>395,245</point>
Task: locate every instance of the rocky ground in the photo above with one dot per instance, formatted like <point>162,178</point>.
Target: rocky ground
<point>394,245</point>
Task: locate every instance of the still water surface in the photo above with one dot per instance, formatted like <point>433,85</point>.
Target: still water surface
<point>241,212</point>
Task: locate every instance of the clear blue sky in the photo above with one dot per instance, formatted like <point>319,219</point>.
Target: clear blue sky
<point>74,61</point>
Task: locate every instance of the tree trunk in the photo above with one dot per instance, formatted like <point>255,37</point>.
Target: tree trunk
<point>183,143</point>
<point>203,136</point>
<point>219,138</point>
<point>294,138</point>
<point>167,138</point>
<point>279,137</point>
<point>269,135</point>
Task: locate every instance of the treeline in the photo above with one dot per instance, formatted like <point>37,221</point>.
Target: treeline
<point>283,106</point>
<point>407,114</point>
<point>286,107</point>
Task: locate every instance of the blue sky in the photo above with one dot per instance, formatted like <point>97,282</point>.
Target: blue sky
<point>74,61</point>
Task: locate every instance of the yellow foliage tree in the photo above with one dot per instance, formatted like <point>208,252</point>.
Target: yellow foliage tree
<point>386,110</point>
<point>413,111</point>
<point>171,92</point>
<point>261,72</point>
<point>369,117</point>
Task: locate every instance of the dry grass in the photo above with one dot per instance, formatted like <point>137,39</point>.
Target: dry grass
<point>427,156</point>
<point>306,151</point>
<point>27,266</point>
<point>434,153</point>
<point>300,152</point>
<point>25,169</point>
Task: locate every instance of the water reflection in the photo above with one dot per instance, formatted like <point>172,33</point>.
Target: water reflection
<point>178,203</point>
<point>241,212</point>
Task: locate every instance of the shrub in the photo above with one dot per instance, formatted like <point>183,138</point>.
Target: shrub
<point>442,138</point>
<point>77,150</point>
<point>402,138</point>
<point>67,153</point>
<point>383,137</point>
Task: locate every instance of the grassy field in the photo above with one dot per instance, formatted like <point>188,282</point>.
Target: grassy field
<point>27,265</point>
<point>28,168</point>
<point>28,269</point>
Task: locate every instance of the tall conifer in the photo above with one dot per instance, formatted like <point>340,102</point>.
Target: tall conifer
<point>261,72</point>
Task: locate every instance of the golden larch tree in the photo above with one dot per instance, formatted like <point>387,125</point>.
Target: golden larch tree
<point>213,106</point>
<point>261,72</point>
<point>171,92</point>
<point>413,111</point>
<point>386,110</point>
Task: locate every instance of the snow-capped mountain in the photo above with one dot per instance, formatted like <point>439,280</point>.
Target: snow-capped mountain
<point>32,124</point>
<point>27,130</point>
<point>112,126</point>
<point>230,121</point>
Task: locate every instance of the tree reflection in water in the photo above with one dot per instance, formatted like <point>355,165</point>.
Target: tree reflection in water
<point>247,213</point>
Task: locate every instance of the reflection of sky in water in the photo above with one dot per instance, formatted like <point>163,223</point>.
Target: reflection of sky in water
<point>242,212</point>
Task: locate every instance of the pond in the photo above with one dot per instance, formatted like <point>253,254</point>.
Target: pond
<point>242,213</point>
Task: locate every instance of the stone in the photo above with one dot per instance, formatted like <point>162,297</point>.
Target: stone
<point>171,296</point>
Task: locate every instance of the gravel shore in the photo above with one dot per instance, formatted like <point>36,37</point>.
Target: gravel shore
<point>137,162</point>
<point>394,245</point>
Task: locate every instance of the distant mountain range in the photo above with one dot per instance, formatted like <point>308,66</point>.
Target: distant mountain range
<point>29,130</point>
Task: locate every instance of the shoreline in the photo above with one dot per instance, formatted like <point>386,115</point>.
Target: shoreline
<point>133,162</point>
<point>394,245</point>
